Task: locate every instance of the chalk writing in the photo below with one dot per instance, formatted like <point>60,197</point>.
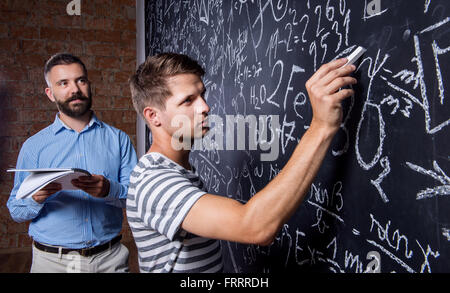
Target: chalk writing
<point>389,158</point>
<point>439,175</point>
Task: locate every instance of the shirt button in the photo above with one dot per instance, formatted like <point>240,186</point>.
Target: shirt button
<point>87,219</point>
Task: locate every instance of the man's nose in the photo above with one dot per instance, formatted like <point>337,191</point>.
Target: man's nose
<point>74,87</point>
<point>203,107</point>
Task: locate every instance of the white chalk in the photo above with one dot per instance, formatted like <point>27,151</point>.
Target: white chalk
<point>355,55</point>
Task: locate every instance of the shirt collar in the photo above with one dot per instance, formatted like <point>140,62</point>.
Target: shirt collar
<point>158,158</point>
<point>58,124</point>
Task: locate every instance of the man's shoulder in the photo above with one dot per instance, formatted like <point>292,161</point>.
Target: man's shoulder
<point>109,127</point>
<point>39,137</point>
<point>153,168</point>
<point>114,130</point>
<point>153,163</point>
<point>148,174</point>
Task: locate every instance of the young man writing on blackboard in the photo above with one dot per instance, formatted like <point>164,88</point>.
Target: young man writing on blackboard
<point>175,223</point>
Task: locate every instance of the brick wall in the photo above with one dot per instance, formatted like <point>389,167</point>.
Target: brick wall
<point>103,36</point>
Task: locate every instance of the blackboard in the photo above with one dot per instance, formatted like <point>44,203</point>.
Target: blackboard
<point>381,200</point>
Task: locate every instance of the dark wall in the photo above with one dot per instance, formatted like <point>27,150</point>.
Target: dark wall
<point>381,197</point>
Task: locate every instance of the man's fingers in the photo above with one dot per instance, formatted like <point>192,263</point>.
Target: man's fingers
<point>85,184</point>
<point>335,74</point>
<point>343,94</point>
<point>47,191</point>
<point>43,193</point>
<point>87,180</point>
<point>325,69</point>
<point>95,185</point>
<point>53,185</point>
<point>93,178</point>
<point>39,198</point>
<point>340,82</point>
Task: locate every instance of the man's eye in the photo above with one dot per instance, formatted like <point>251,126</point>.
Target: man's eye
<point>63,83</point>
<point>82,81</point>
<point>188,100</point>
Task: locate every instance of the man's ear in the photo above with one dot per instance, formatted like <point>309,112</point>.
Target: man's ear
<point>151,115</point>
<point>49,93</point>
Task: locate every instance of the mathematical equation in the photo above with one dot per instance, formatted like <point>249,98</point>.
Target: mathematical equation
<point>258,54</point>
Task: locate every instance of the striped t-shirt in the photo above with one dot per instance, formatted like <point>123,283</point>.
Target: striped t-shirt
<point>160,195</point>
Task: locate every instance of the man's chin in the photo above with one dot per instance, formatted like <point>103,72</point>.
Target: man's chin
<point>75,113</point>
<point>75,108</point>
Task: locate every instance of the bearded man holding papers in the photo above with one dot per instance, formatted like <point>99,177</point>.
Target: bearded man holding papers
<point>75,230</point>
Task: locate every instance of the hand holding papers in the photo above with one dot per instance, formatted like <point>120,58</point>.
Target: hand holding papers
<point>39,178</point>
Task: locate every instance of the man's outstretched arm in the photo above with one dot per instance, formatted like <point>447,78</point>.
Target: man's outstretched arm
<point>259,220</point>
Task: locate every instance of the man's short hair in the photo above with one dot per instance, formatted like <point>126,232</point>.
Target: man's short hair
<point>61,59</point>
<point>149,84</point>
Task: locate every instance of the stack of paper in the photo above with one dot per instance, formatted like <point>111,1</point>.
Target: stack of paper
<point>39,178</point>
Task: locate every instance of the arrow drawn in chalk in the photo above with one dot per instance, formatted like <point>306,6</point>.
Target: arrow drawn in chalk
<point>437,174</point>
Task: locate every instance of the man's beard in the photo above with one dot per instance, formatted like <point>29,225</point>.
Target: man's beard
<point>77,110</point>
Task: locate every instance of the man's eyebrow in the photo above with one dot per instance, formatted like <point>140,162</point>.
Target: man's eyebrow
<point>192,94</point>
<point>81,77</point>
<point>61,80</point>
<point>78,78</point>
<point>185,97</point>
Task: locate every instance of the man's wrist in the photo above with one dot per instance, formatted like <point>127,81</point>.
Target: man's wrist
<point>326,132</point>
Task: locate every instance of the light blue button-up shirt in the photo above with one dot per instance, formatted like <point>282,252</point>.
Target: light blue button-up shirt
<point>73,218</point>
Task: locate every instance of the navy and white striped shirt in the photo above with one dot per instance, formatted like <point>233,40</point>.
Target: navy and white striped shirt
<point>160,195</point>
